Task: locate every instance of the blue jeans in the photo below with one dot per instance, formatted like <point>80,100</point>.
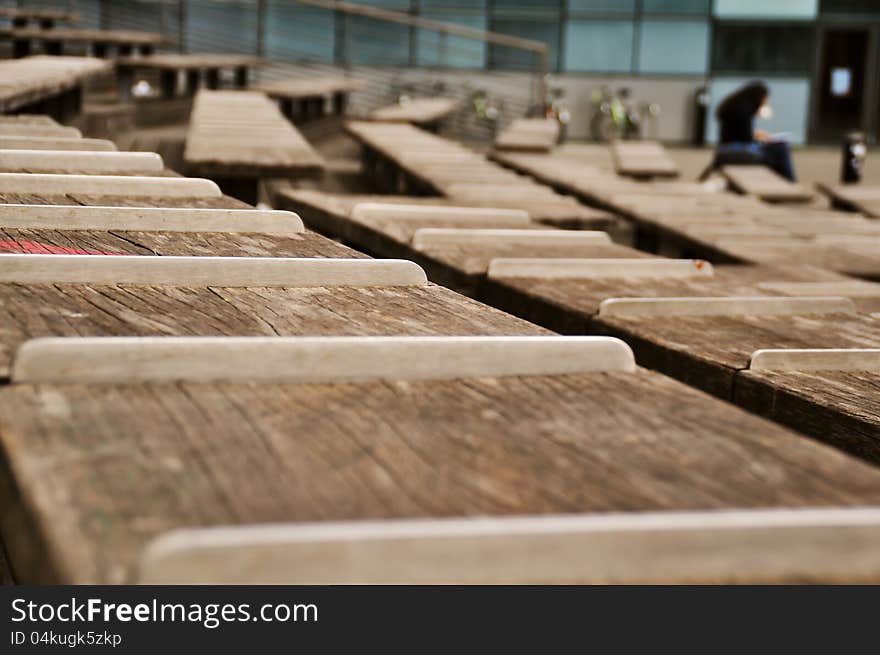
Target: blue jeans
<point>778,157</point>
<point>775,155</point>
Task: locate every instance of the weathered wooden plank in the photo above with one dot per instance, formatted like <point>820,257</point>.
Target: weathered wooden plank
<point>209,271</point>
<point>223,454</point>
<point>120,37</point>
<point>419,111</point>
<point>530,134</point>
<point>187,61</point>
<point>108,185</point>
<point>427,238</point>
<point>598,268</point>
<point>310,87</point>
<point>766,184</point>
<point>33,79</point>
<point>642,159</point>
<point>814,359</point>
<point>30,311</point>
<point>708,351</point>
<point>753,306</point>
<point>830,394</point>
<point>47,131</point>
<point>147,219</point>
<point>80,161</point>
<point>54,143</point>
<point>243,134</point>
<point>398,155</point>
<point>431,213</point>
<point>130,360</point>
<point>755,546</point>
<point>857,197</point>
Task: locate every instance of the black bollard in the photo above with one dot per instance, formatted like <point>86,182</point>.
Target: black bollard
<point>854,151</point>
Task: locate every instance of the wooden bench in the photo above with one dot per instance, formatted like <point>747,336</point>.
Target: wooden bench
<point>764,183</point>
<point>739,547</point>
<point>642,159</point>
<point>854,257</point>
<point>54,40</point>
<point>45,18</point>
<point>427,113</point>
<point>529,134</point>
<point>46,85</point>
<point>405,160</point>
<point>853,197</point>
<point>221,232</point>
<point>54,143</point>
<point>239,137</point>
<point>200,69</point>
<point>211,296</point>
<point>304,99</point>
<point>83,162</point>
<point>375,448</point>
<point>706,342</point>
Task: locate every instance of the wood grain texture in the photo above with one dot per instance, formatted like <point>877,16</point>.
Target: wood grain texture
<point>857,197</point>
<point>243,134</point>
<point>299,88</point>
<point>419,111</point>
<point>29,311</point>
<point>215,244</point>
<point>568,305</point>
<point>120,37</point>
<point>231,454</point>
<point>198,61</point>
<point>642,159</point>
<point>841,408</point>
<point>31,79</point>
<point>763,182</point>
<point>707,352</point>
<point>446,168</point>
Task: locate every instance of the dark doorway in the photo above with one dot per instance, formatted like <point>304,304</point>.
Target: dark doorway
<point>841,84</point>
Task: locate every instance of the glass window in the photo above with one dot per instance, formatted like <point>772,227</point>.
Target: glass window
<point>451,51</point>
<point>673,46</point>
<point>221,27</point>
<point>599,45</point>
<point>675,7</point>
<point>798,9</point>
<point>378,43</point>
<point>849,7</point>
<point>762,49</point>
<point>297,33</point>
<point>601,6</point>
<point>534,29</point>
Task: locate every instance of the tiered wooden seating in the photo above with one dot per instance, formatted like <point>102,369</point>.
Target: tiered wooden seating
<point>304,99</point>
<point>239,137</point>
<point>427,113</point>
<point>765,183</point>
<point>829,394</point>
<point>402,226</point>
<point>200,69</point>
<point>861,198</point>
<point>317,426</point>
<point>54,40</point>
<point>642,159</point>
<point>404,159</point>
<point>536,134</point>
<point>45,18</point>
<point>216,395</point>
<point>51,85</point>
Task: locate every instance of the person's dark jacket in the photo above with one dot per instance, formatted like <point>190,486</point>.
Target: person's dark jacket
<point>737,120</point>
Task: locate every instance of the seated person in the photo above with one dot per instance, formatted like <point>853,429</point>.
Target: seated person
<point>740,142</point>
